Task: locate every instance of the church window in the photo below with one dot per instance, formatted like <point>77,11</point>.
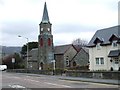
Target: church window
<point>74,63</point>
<point>49,42</point>
<point>41,42</point>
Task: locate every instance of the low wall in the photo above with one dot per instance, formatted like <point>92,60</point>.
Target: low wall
<point>95,74</point>
<point>46,72</point>
<point>75,73</point>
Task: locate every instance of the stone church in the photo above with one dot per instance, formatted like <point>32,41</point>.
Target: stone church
<point>42,58</point>
<point>45,40</point>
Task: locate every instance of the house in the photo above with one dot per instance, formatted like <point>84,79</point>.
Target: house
<point>104,49</point>
<point>63,55</point>
<point>71,56</point>
<point>81,58</point>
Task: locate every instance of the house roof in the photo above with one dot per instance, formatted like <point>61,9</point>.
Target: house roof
<point>62,49</point>
<point>114,53</point>
<point>104,35</point>
<point>77,47</point>
<point>35,50</point>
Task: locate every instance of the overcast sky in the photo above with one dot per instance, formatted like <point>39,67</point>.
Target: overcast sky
<point>70,19</point>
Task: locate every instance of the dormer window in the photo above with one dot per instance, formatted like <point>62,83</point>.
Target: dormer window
<point>114,44</point>
<point>113,39</point>
<point>98,42</point>
<point>98,46</point>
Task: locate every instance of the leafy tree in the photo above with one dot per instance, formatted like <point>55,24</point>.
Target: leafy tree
<point>31,45</point>
<point>18,61</point>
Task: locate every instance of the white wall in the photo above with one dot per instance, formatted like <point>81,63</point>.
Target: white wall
<point>103,52</point>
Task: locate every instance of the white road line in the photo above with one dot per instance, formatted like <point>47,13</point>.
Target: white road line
<point>31,80</point>
<point>56,84</point>
<point>47,83</point>
<point>17,77</point>
<point>16,86</point>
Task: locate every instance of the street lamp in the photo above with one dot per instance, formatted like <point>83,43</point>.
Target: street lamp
<point>27,48</point>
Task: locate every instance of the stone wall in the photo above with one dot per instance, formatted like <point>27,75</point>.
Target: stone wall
<point>81,74</point>
<point>95,74</point>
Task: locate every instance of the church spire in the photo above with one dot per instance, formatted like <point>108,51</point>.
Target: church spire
<point>45,18</point>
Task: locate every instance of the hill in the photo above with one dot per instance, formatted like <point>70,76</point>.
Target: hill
<point>10,50</point>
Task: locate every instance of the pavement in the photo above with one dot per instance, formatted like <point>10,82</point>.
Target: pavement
<point>103,81</point>
<point>93,80</point>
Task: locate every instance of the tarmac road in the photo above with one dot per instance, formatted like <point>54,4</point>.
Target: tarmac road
<point>26,81</point>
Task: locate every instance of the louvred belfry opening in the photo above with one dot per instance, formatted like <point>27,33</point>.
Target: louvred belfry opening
<point>41,42</point>
<point>49,42</point>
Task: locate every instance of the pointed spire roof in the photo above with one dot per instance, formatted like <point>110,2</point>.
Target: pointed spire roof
<point>45,18</point>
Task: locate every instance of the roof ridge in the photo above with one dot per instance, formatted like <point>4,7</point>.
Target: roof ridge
<point>107,28</point>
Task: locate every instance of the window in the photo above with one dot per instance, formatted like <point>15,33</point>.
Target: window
<point>116,61</point>
<point>102,60</point>
<point>98,46</point>
<point>99,61</point>
<point>49,42</point>
<point>74,63</point>
<point>41,42</point>
<point>67,61</point>
<point>114,44</point>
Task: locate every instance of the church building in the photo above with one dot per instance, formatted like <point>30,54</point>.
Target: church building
<point>47,56</point>
<point>45,40</point>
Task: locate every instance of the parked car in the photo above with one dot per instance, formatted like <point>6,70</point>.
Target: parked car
<point>3,67</point>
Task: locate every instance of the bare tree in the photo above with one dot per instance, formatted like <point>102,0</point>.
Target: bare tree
<point>80,42</point>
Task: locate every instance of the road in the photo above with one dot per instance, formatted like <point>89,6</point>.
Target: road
<point>17,80</point>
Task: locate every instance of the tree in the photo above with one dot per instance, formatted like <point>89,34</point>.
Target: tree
<point>18,61</point>
<point>31,45</point>
<point>80,42</point>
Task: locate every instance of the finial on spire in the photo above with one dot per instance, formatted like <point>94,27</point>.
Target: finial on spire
<point>45,18</point>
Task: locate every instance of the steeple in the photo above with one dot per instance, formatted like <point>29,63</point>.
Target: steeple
<point>45,18</point>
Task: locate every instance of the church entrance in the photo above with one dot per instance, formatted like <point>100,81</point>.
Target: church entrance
<point>41,66</point>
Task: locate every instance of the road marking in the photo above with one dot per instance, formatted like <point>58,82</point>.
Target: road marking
<point>17,77</point>
<point>56,84</point>
<point>16,86</point>
<point>31,80</point>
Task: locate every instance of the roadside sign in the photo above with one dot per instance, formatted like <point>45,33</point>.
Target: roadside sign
<point>13,60</point>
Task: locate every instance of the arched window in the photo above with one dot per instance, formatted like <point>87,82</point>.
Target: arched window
<point>49,42</point>
<point>41,42</point>
<point>74,63</point>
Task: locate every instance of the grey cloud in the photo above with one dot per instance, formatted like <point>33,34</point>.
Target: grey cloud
<point>72,28</point>
<point>16,28</point>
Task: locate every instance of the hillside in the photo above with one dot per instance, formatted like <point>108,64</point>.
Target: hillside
<point>10,50</point>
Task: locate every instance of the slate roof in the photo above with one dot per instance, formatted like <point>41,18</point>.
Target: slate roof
<point>77,47</point>
<point>45,18</point>
<point>62,49</point>
<point>105,34</point>
<point>114,53</point>
<point>34,51</point>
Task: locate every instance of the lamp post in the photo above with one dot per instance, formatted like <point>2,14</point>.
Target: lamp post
<point>27,48</point>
